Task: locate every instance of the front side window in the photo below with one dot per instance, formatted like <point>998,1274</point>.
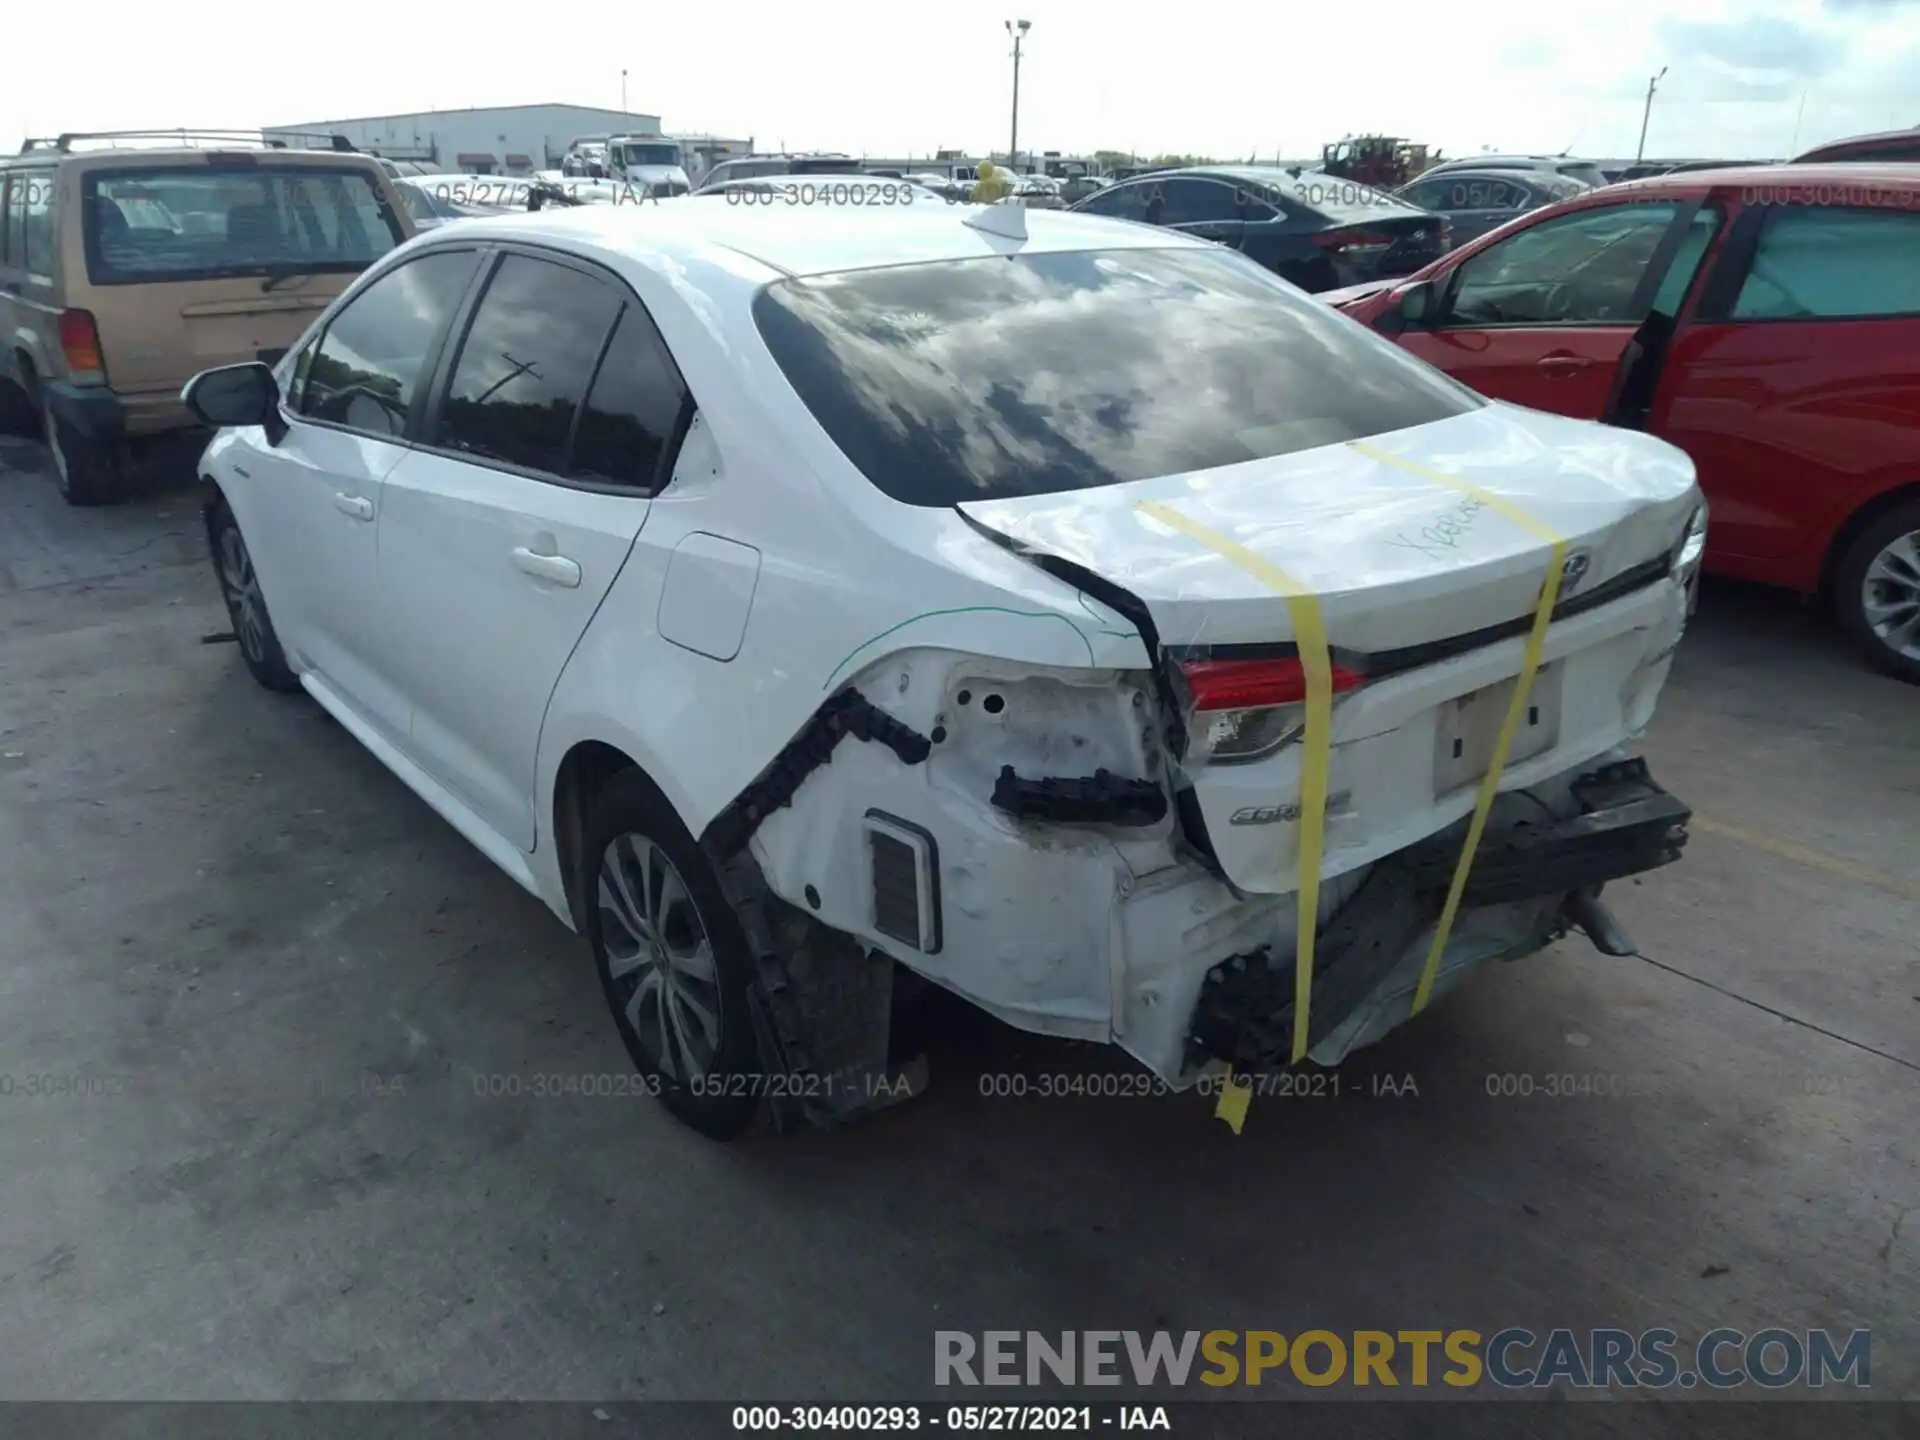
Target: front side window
<point>368,367</point>
<point>1193,202</point>
<point>985,378</point>
<point>523,368</point>
<point>1579,269</point>
<point>1486,192</point>
<point>1819,262</point>
<point>647,153</point>
<point>204,222</point>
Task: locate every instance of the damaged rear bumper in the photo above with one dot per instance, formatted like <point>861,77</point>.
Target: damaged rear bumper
<point>1369,958</point>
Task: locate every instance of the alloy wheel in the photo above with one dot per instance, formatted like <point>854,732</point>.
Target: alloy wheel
<point>659,958</point>
<point>1890,595</point>
<point>243,595</point>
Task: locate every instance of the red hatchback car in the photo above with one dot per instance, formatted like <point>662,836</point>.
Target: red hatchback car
<point>1765,319</point>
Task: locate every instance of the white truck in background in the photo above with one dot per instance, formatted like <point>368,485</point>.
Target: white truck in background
<point>654,161</point>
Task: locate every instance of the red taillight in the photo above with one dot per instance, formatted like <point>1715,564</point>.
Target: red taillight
<point>1350,239</point>
<point>1250,684</point>
<point>80,341</point>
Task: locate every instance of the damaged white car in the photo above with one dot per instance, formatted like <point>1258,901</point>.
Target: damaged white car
<point>1028,601</point>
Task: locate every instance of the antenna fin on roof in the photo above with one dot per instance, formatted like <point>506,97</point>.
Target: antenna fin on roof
<point>1005,218</point>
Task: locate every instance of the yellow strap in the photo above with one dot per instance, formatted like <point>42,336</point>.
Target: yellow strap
<point>1232,1105</point>
<point>1310,637</point>
<point>1499,504</point>
<point>1516,707</point>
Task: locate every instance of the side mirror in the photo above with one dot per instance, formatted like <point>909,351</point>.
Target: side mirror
<point>233,395</point>
<point>1412,309</point>
<point>1416,305</point>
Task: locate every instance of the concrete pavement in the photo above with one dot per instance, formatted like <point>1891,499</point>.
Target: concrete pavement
<point>283,994</point>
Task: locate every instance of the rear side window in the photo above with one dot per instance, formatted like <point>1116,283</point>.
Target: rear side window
<point>13,241</point>
<point>984,378</point>
<point>632,410</point>
<point>367,369</point>
<point>1588,175</point>
<point>523,368</point>
<point>1816,262</point>
<point>1343,201</point>
<point>29,221</point>
<point>204,222</point>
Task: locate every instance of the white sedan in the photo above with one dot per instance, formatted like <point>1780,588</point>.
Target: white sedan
<point>1064,611</point>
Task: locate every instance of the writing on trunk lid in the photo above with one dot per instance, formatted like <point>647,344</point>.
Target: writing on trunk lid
<point>1442,534</point>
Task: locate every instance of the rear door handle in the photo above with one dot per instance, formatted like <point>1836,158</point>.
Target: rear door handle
<point>1563,364</point>
<point>357,506</point>
<point>556,568</point>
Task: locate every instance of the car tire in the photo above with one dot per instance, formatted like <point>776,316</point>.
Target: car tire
<point>87,471</point>
<point>672,957</point>
<point>246,605</point>
<point>18,415</point>
<point>1876,591</point>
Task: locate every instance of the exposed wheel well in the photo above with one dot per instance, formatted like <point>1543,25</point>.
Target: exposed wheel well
<point>584,770</point>
<point>29,381</point>
<point>1854,524</point>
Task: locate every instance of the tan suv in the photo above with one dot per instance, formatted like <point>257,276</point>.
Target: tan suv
<point>124,272</point>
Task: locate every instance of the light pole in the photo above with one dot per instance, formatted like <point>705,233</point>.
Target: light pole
<point>623,92</point>
<point>1646,115</point>
<point>1018,30</point>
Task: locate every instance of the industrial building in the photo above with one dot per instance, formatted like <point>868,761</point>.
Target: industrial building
<point>502,140</point>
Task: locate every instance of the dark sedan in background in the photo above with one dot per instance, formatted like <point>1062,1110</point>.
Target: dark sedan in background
<point>1476,201</point>
<point>1315,230</point>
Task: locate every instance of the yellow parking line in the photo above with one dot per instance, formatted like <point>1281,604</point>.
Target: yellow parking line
<point>1811,858</point>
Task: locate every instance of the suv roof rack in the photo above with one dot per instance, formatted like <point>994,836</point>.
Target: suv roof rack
<point>64,142</point>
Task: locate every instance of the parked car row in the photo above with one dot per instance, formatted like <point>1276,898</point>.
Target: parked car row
<point>1315,230</point>
<point>1763,318</point>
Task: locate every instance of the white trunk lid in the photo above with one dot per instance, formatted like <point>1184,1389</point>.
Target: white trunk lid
<point>1396,560</point>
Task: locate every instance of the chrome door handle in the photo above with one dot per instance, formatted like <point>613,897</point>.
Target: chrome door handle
<point>357,506</point>
<point>556,568</point>
<point>1563,364</point>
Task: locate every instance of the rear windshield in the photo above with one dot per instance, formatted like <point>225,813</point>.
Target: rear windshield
<point>206,221</point>
<point>980,379</point>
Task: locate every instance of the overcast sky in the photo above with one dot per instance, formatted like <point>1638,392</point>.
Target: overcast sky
<point>1746,79</point>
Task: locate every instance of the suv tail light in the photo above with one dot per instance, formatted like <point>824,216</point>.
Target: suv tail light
<point>1247,709</point>
<point>80,342</point>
